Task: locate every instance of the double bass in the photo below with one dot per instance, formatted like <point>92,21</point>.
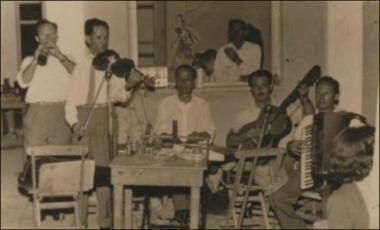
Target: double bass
<point>273,123</point>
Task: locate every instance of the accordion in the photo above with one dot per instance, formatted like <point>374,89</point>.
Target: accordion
<point>318,137</point>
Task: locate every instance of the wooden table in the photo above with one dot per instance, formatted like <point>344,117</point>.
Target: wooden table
<point>143,170</point>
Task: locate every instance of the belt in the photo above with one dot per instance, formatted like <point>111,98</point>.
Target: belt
<point>97,105</point>
<point>47,103</point>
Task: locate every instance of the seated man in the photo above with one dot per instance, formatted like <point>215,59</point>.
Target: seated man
<point>193,118</point>
<point>261,88</point>
<point>326,97</point>
<point>237,59</point>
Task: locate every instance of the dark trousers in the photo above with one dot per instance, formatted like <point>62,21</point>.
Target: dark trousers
<point>97,139</point>
<point>284,199</point>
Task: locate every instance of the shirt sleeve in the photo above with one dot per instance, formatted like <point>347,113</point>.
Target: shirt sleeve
<point>220,71</point>
<point>307,120</point>
<point>295,112</point>
<point>252,61</point>
<point>161,124</point>
<point>208,122</point>
<point>72,100</point>
<point>118,91</point>
<point>25,63</point>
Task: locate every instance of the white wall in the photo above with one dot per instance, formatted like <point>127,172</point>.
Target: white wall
<point>303,41</point>
<point>115,13</point>
<point>370,58</point>
<point>345,51</point>
<point>70,19</point>
<point>71,16</point>
<point>9,46</point>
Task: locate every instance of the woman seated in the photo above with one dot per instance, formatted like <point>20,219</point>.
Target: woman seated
<point>350,161</point>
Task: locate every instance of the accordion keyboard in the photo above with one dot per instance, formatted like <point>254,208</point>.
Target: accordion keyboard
<point>306,158</point>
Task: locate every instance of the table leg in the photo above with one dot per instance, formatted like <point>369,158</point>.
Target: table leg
<point>194,215</point>
<point>117,205</point>
<point>128,218</point>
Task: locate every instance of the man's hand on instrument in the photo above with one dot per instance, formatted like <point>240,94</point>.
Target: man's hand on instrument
<point>233,55</point>
<point>55,51</point>
<point>41,48</point>
<point>295,147</point>
<point>78,130</point>
<point>303,91</point>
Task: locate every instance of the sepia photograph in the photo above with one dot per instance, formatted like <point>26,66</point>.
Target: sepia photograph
<point>189,114</point>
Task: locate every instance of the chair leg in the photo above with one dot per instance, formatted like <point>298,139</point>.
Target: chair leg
<point>37,212</point>
<point>265,209</point>
<point>76,213</point>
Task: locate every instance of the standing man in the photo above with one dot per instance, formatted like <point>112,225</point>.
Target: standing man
<point>47,85</point>
<point>85,84</point>
<point>239,58</point>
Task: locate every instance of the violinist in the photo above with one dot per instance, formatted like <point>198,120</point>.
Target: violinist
<point>85,83</point>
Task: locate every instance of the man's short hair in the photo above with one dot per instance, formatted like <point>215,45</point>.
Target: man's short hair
<point>334,83</point>
<point>329,80</point>
<point>260,73</point>
<point>234,21</point>
<point>185,67</point>
<point>91,23</point>
<point>352,157</point>
<point>42,22</point>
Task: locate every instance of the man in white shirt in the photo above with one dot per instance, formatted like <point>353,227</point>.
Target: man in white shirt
<point>193,118</point>
<point>47,85</point>
<point>86,82</point>
<point>239,58</point>
<point>47,88</point>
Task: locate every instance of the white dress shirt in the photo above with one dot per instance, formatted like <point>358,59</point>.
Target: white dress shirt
<point>79,87</point>
<point>194,116</point>
<point>228,71</point>
<point>49,83</point>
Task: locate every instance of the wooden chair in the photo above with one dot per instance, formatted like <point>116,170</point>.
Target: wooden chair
<point>60,180</point>
<point>256,194</point>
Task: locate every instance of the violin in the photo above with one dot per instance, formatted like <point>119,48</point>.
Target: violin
<point>273,123</point>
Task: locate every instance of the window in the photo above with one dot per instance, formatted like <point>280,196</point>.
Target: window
<point>151,33</point>
<point>28,13</point>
